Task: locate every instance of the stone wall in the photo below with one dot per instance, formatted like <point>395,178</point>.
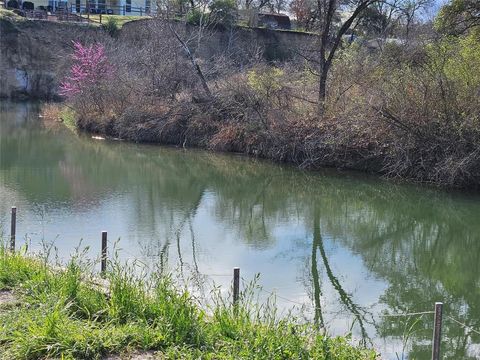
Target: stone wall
<point>274,45</point>
<point>33,52</point>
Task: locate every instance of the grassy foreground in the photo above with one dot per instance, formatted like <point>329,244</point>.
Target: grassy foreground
<point>61,315</point>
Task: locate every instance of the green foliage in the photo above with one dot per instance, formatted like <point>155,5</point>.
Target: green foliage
<point>63,314</point>
<point>111,26</point>
<point>458,61</point>
<point>15,269</point>
<point>458,17</point>
<point>9,15</point>
<point>463,64</point>
<point>196,17</point>
<point>68,117</point>
<point>265,82</point>
<point>223,12</point>
<point>373,22</point>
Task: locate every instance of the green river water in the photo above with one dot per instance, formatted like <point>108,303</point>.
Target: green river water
<point>348,247</point>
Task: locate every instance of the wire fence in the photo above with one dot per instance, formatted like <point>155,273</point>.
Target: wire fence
<point>305,305</point>
<point>102,9</point>
<point>465,326</point>
<point>438,312</point>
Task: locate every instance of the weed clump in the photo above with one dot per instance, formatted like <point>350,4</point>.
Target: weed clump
<point>111,26</point>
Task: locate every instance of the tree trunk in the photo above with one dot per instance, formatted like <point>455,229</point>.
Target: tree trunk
<point>317,291</point>
<point>193,60</point>
<point>322,90</point>
<point>325,61</point>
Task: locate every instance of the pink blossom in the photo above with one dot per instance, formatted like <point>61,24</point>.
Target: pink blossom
<point>90,67</point>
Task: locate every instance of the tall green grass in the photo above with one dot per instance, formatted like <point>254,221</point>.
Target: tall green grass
<point>64,314</point>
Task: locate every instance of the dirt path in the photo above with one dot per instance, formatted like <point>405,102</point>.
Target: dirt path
<point>7,300</point>
<point>149,355</point>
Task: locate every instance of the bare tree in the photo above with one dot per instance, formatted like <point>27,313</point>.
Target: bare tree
<point>305,12</point>
<point>277,6</point>
<point>410,10</point>
<point>380,19</point>
<point>256,4</point>
<point>331,36</point>
<point>191,56</point>
<point>189,41</point>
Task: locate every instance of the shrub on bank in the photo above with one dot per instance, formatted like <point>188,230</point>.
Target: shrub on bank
<point>111,26</point>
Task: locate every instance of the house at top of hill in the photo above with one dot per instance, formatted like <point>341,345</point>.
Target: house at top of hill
<point>254,18</point>
<point>117,7</point>
<point>274,21</point>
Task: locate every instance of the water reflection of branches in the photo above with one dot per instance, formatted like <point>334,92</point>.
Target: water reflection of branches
<point>318,318</point>
<point>357,311</point>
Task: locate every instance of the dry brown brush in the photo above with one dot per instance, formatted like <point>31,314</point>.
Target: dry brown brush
<point>402,111</point>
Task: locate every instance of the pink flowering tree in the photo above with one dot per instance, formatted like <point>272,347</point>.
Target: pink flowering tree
<point>90,68</point>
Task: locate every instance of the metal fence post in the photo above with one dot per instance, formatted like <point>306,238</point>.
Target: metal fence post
<point>236,285</point>
<point>104,254</point>
<point>437,331</point>
<point>13,228</point>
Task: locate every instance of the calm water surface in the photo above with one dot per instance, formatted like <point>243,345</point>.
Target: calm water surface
<point>349,248</point>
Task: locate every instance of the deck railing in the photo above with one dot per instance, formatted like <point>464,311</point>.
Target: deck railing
<point>104,9</point>
<point>59,15</point>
